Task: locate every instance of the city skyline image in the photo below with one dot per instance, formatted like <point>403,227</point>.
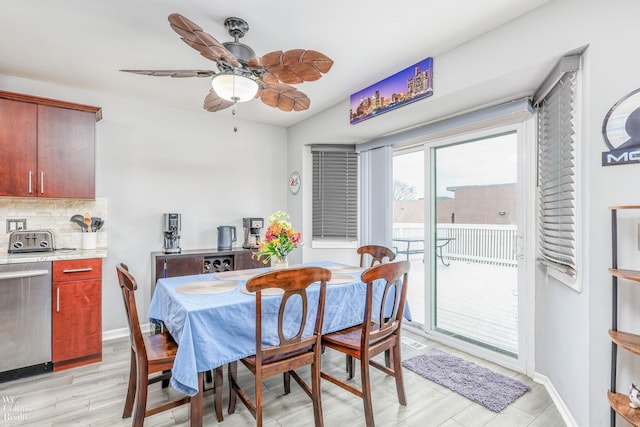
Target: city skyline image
<point>406,86</point>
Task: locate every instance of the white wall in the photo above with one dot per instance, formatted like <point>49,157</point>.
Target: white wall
<point>151,160</point>
<point>572,347</point>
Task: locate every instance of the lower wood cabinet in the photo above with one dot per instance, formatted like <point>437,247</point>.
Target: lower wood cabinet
<point>76,332</point>
<point>245,260</point>
<point>203,261</point>
<point>178,265</point>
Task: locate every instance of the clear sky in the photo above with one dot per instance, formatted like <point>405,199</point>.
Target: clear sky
<point>487,161</point>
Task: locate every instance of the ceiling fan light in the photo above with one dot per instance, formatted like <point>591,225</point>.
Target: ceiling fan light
<point>233,87</point>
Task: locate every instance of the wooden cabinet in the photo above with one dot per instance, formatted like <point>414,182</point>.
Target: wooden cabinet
<point>245,260</point>
<point>66,153</point>
<point>48,147</point>
<point>199,262</point>
<point>627,341</point>
<point>76,331</point>
<point>178,265</point>
<point>18,132</point>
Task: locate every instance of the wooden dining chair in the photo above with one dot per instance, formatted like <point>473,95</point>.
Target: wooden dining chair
<point>292,351</point>
<point>379,332</point>
<point>377,253</point>
<point>150,354</point>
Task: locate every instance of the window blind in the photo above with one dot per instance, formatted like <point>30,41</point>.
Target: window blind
<point>335,185</point>
<point>557,175</point>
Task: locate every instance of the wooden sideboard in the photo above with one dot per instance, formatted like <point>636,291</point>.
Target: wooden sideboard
<point>200,261</point>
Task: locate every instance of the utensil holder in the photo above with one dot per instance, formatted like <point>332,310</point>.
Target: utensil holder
<point>89,240</point>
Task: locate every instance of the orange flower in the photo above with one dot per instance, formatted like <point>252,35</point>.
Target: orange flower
<point>279,240</point>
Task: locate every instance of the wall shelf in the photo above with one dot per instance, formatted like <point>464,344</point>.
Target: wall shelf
<point>620,404</point>
<point>633,275</point>
<point>630,342</point>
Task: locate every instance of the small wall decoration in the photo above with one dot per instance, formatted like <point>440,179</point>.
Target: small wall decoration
<point>621,131</point>
<point>294,182</point>
<point>409,85</point>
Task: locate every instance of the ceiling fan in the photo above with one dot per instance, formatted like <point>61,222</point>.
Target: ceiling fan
<point>241,75</point>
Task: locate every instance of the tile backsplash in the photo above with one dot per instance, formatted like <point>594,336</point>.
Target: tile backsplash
<point>54,215</point>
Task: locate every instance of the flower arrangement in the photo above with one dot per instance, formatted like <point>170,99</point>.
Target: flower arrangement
<point>280,239</point>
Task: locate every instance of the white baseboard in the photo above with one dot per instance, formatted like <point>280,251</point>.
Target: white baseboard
<point>122,332</point>
<point>557,400</point>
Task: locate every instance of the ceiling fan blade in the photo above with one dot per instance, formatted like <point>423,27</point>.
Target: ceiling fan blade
<point>213,103</point>
<point>284,97</point>
<point>296,65</point>
<point>269,79</point>
<point>173,73</point>
<point>204,43</point>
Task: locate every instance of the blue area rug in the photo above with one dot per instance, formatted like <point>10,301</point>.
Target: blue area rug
<point>492,390</point>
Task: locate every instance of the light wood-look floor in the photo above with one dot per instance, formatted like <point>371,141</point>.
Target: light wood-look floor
<point>94,396</point>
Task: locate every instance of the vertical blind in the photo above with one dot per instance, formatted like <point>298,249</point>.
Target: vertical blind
<point>335,186</point>
<point>557,175</point>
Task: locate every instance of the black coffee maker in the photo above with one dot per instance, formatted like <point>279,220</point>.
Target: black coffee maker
<point>171,225</point>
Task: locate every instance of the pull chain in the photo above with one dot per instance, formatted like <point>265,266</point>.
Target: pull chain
<point>233,112</point>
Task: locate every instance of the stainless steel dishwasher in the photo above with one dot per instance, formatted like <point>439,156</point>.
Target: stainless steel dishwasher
<point>25,316</point>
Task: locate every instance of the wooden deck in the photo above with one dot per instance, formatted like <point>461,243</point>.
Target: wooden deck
<point>478,301</point>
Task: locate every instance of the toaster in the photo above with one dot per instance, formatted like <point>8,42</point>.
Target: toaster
<point>23,241</point>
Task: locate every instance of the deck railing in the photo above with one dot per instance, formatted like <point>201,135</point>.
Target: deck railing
<point>480,243</point>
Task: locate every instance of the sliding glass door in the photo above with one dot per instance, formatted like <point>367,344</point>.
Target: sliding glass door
<point>457,218</point>
<point>474,200</point>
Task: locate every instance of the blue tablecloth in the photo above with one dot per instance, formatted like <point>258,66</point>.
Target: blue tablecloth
<point>214,329</point>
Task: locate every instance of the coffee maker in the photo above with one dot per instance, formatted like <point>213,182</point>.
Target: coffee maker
<point>252,228</point>
<point>171,225</point>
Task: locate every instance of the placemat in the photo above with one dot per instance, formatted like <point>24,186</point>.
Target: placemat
<point>207,287</point>
<point>340,279</point>
<point>265,292</point>
<point>238,274</point>
<point>345,269</point>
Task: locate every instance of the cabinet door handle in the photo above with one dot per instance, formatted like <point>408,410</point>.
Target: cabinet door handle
<point>41,182</point>
<point>57,300</point>
<point>30,179</point>
<point>78,270</point>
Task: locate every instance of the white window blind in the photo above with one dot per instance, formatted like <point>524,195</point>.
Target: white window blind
<point>335,186</point>
<point>557,227</point>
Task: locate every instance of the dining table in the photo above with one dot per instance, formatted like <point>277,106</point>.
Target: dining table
<point>212,319</point>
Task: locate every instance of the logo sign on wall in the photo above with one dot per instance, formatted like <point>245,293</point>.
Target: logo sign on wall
<point>621,131</point>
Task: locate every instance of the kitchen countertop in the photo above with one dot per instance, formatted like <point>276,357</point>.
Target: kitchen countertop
<point>58,255</point>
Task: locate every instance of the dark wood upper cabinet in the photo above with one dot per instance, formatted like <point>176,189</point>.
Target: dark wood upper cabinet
<point>66,153</point>
<point>48,147</point>
<point>18,133</point>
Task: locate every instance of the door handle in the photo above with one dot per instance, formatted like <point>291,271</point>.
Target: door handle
<point>41,182</point>
<point>30,179</point>
<point>57,300</point>
<point>22,274</point>
<point>519,246</point>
